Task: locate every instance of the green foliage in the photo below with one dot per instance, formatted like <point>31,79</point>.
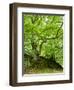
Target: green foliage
<point>43,36</point>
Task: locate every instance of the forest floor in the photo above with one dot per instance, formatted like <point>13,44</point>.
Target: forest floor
<point>43,70</point>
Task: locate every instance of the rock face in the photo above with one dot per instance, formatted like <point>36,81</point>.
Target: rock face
<point>53,64</point>
<point>44,62</point>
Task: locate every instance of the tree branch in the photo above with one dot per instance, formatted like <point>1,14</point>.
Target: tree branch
<point>45,40</point>
<point>59,29</point>
<point>52,20</point>
<point>40,47</point>
<point>56,36</point>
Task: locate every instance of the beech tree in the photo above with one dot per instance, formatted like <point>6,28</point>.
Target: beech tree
<point>43,36</point>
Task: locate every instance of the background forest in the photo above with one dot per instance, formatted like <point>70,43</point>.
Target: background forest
<point>43,43</point>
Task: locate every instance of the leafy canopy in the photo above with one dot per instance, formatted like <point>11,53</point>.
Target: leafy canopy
<point>43,35</point>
